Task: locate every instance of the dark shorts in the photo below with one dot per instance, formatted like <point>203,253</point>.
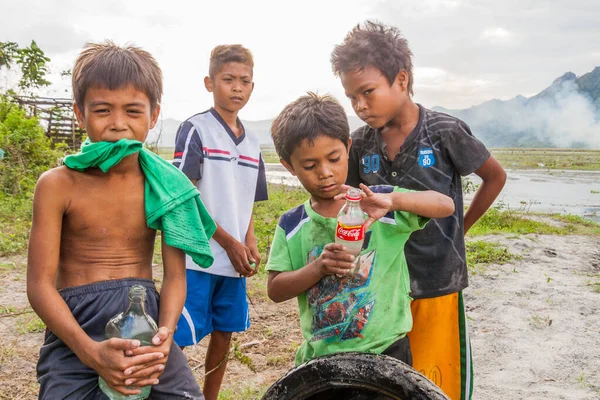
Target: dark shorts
<point>62,376</point>
<point>400,350</point>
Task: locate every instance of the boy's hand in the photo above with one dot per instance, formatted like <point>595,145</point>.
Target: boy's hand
<point>240,257</point>
<point>110,362</point>
<point>254,256</point>
<point>375,205</point>
<point>335,260</point>
<point>148,373</point>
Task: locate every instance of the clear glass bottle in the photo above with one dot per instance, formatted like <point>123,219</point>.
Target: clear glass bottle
<point>133,323</point>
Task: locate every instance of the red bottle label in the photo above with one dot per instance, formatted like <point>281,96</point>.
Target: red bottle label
<point>350,233</point>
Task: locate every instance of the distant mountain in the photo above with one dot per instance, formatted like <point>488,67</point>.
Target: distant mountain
<point>565,114</point>
<point>165,130</point>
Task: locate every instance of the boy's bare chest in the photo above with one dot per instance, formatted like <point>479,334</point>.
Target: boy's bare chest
<point>108,211</point>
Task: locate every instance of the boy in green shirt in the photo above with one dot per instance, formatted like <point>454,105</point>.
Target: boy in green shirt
<point>366,312</point>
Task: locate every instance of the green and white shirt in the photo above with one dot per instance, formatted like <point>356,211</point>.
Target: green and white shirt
<point>367,312</point>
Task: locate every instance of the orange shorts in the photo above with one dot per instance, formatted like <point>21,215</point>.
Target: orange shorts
<point>440,344</point>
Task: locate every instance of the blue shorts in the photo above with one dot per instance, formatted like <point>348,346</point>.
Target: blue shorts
<point>213,303</point>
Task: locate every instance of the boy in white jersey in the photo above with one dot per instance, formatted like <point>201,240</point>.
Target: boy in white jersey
<point>224,161</point>
<point>366,312</point>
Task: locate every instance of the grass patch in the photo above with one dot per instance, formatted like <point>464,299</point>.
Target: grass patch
<point>540,321</point>
<point>575,224</point>
<point>267,213</point>
<point>571,159</point>
<point>270,156</point>
<point>277,361</point>
<point>481,253</point>
<point>15,223</point>
<point>248,392</point>
<point>7,309</point>
<point>498,220</point>
<point>30,323</point>
<point>7,267</point>
<point>238,354</point>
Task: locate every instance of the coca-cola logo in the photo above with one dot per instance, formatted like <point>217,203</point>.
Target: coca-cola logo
<point>350,233</point>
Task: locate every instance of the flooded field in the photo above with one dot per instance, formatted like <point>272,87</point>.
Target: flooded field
<point>534,190</point>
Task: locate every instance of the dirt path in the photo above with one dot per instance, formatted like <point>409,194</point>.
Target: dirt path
<point>534,323</point>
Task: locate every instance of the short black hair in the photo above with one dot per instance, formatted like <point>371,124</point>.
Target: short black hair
<point>309,117</point>
<point>113,67</point>
<point>226,53</point>
<point>374,44</point>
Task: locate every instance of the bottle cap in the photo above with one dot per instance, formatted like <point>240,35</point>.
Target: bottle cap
<point>353,194</point>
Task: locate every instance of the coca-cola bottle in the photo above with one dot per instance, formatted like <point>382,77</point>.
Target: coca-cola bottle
<point>132,323</point>
<point>350,230</point>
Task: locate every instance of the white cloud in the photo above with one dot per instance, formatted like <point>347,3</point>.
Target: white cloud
<point>292,43</point>
<point>497,35</point>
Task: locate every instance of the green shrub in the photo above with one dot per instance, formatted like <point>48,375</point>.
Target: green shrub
<point>27,151</point>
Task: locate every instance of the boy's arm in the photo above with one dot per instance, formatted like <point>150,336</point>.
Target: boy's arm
<point>107,357</point>
<point>493,179</point>
<point>252,246</point>
<point>261,194</point>
<point>428,203</point>
<point>283,286</point>
<point>173,289</point>
<point>238,253</point>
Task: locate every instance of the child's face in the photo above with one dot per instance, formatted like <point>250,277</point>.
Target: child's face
<point>321,167</point>
<point>372,97</point>
<point>231,86</point>
<point>110,115</point>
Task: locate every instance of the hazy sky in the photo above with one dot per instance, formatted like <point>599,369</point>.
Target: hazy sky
<point>465,52</point>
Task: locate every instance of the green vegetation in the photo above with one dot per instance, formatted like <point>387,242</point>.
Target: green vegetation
<point>526,158</point>
<point>31,60</point>
<point>15,222</point>
<point>239,355</point>
<point>27,154</point>
<point>26,150</point>
<point>498,220</point>
<point>270,156</point>
<point>481,253</point>
<point>248,392</point>
<point>267,213</point>
<point>30,323</point>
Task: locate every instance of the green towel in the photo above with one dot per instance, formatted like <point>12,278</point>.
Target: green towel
<point>172,203</point>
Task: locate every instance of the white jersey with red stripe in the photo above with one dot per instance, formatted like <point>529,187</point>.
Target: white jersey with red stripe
<point>230,174</point>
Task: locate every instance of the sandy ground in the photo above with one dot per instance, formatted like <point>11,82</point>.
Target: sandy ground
<point>534,323</point>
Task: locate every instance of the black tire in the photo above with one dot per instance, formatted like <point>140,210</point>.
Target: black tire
<point>354,376</point>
